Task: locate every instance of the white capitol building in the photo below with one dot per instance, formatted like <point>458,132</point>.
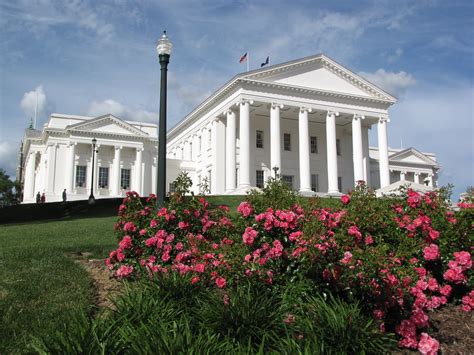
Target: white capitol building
<point>310,118</point>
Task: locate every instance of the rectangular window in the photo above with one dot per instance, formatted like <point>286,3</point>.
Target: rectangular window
<point>259,139</point>
<point>338,146</point>
<point>315,182</point>
<point>314,145</point>
<point>103,177</point>
<point>81,176</point>
<point>287,142</point>
<point>171,188</point>
<point>125,179</point>
<point>288,179</point>
<point>339,183</point>
<point>259,179</point>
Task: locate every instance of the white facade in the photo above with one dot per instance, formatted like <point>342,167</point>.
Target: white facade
<point>60,157</point>
<point>307,119</point>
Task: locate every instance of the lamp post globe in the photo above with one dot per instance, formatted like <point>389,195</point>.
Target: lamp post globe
<point>91,196</point>
<point>163,48</point>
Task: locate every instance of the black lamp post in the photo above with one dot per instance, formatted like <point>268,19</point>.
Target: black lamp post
<point>164,50</point>
<point>91,197</point>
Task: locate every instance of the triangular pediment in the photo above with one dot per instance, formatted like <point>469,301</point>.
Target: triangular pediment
<point>412,156</point>
<point>107,124</point>
<point>320,73</point>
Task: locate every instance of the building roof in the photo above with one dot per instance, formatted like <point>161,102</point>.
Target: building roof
<point>260,77</point>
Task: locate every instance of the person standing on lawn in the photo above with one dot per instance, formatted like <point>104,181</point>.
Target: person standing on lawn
<point>64,195</point>
<point>38,197</point>
<point>43,198</point>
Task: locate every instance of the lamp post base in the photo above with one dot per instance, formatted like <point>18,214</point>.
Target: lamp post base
<point>91,200</point>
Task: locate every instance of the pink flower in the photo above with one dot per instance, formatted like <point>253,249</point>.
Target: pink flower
<point>199,268</point>
<point>353,230</point>
<point>445,290</point>
<point>369,240</point>
<point>126,242</point>
<point>195,279</point>
<point>129,227</point>
<point>431,252</point>
<point>183,225</point>
<point>428,345</point>
<point>245,209</point>
<point>434,234</point>
<point>249,235</point>
<point>347,258</point>
<point>220,282</point>
<point>124,271</point>
<point>463,258</point>
<point>345,199</point>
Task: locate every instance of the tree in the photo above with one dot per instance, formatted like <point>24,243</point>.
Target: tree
<point>8,190</point>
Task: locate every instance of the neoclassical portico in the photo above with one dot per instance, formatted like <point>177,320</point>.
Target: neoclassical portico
<point>308,118</point>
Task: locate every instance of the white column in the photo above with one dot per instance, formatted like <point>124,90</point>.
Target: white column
<point>305,172</point>
<point>116,173</point>
<point>331,151</point>
<point>204,146</point>
<point>49,173</point>
<point>230,178</point>
<point>187,150</point>
<point>138,171</point>
<point>71,158</point>
<point>383,152</point>
<point>29,182</point>
<point>244,153</point>
<point>357,150</point>
<point>430,180</point>
<point>275,137</point>
<point>417,178</point>
<point>402,175</point>
<point>195,150</point>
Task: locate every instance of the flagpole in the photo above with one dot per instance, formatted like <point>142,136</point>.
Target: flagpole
<point>248,60</point>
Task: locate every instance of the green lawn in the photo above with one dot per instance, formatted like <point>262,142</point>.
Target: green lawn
<point>39,281</point>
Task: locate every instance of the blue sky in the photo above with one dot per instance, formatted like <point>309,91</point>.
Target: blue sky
<point>92,57</point>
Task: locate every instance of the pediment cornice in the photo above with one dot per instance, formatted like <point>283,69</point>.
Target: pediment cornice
<point>90,125</point>
<point>398,157</point>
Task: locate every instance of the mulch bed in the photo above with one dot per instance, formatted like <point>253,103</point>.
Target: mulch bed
<point>106,287</point>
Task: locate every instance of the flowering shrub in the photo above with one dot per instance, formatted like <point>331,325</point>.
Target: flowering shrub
<point>401,258</point>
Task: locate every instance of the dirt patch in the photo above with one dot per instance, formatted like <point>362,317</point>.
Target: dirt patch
<point>454,329</point>
<point>105,285</point>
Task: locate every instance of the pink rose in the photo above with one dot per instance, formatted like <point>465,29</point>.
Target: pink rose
<point>431,252</point>
<point>249,235</point>
<point>124,271</point>
<point>345,199</point>
<point>463,258</point>
<point>126,242</point>
<point>427,344</point>
<point>220,282</point>
<point>245,209</point>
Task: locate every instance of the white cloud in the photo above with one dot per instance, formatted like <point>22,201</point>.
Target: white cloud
<point>34,100</point>
<point>394,83</point>
<point>117,109</point>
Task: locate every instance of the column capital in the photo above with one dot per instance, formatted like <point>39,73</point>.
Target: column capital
<point>140,149</point>
<point>242,102</point>
<point>70,144</point>
<point>306,109</point>
<point>333,113</point>
<point>384,119</point>
<point>228,112</point>
<point>417,173</point>
<point>358,116</point>
<point>118,147</point>
<point>275,105</point>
